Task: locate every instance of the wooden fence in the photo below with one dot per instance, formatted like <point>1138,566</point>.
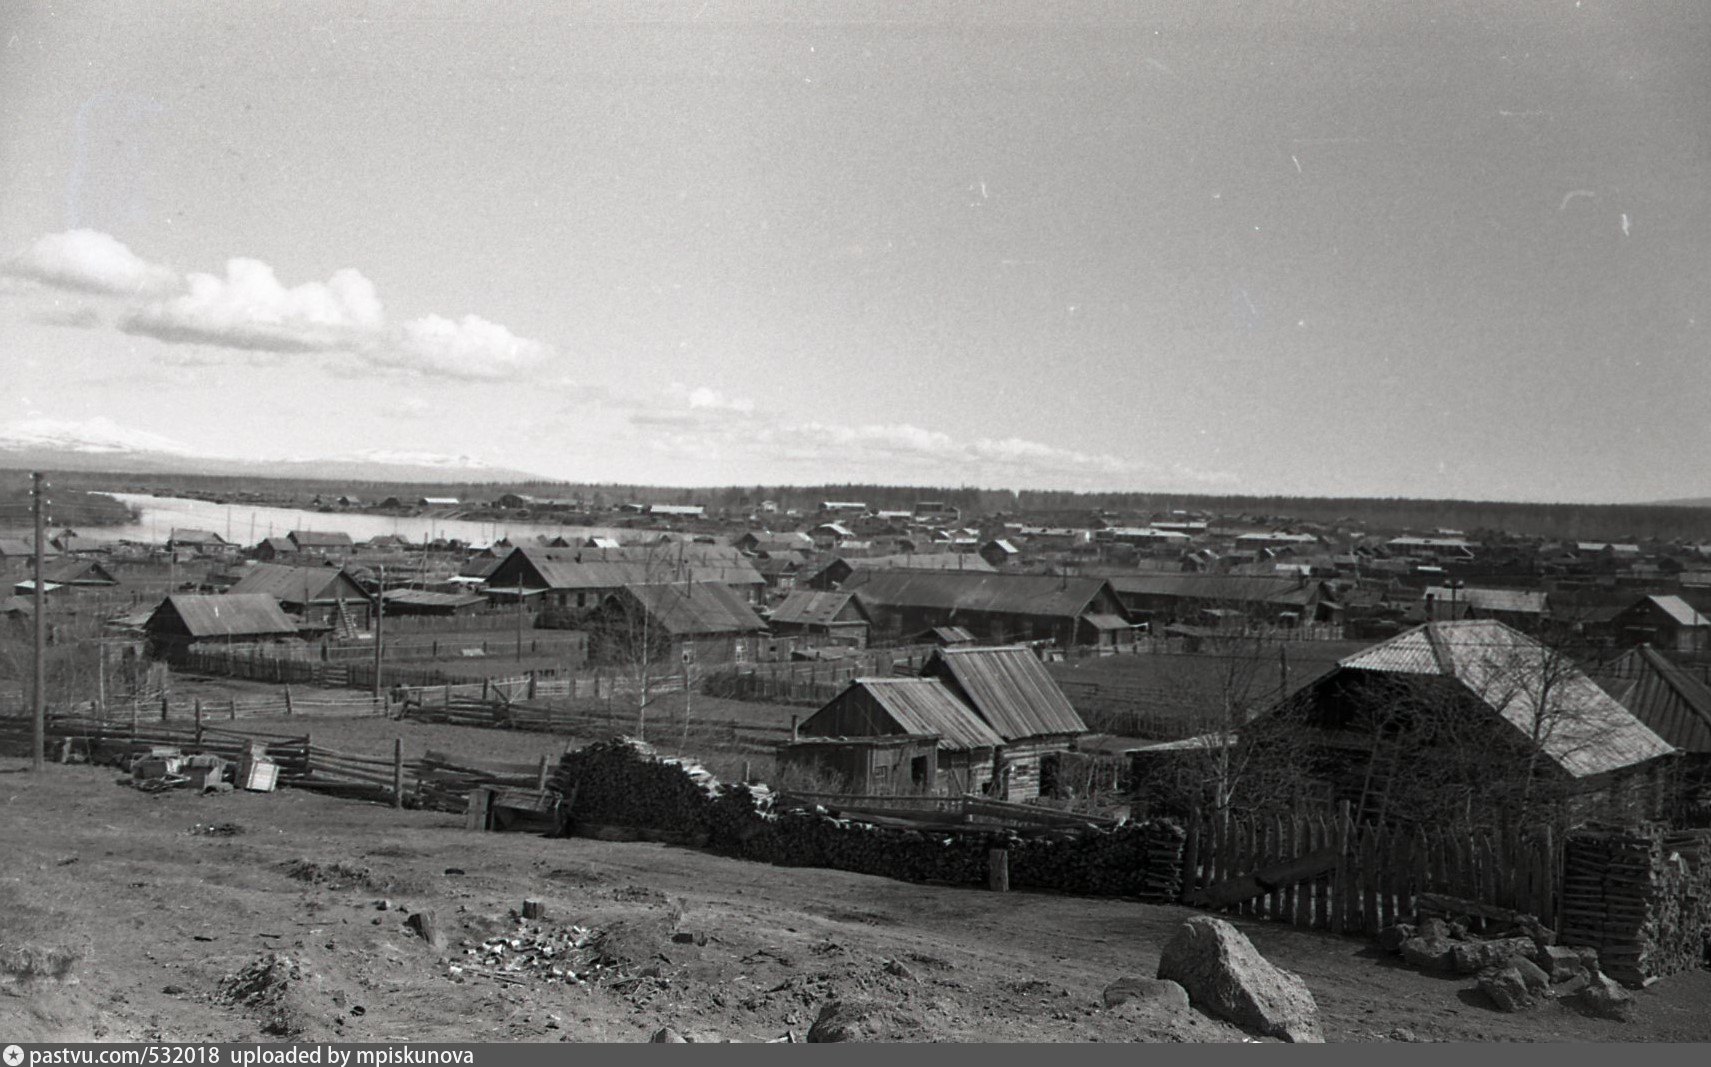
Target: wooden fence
<point>601,720</point>
<point>1327,873</point>
<point>811,683</point>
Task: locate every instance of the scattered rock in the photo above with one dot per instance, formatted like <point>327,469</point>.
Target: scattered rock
<point>685,937</point>
<point>1471,957</point>
<point>1225,976</point>
<point>1507,989</point>
<point>1537,980</point>
<point>1391,938</point>
<point>1402,1033</point>
<point>1430,953</point>
<point>1605,998</point>
<point>896,969</point>
<point>172,990</point>
<point>665,1035</point>
<point>424,926</point>
<point>856,1019</point>
<point>1433,930</point>
<point>1563,962</point>
<point>1161,992</point>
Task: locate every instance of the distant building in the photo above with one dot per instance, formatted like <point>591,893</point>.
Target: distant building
<point>182,622</point>
<point>325,595</point>
<point>320,543</point>
<point>1667,622</point>
<point>836,617</point>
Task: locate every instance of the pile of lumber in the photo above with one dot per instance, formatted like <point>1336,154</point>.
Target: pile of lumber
<point>1642,898</point>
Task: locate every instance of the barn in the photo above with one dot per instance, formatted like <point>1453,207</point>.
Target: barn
<point>1009,689</point>
<point>897,735</point>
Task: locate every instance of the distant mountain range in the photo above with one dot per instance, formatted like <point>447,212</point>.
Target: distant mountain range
<point>100,445</point>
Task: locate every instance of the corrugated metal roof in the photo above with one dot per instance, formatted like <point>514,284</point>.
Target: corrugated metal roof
<point>688,609</point>
<point>77,572</point>
<point>426,598</point>
<point>195,537</point>
<point>297,585</point>
<point>924,561</point>
<point>925,706</point>
<point>226,615</point>
<point>1009,688</point>
<point>1676,705</point>
<point>1011,594</point>
<point>1586,731</point>
<point>807,607</point>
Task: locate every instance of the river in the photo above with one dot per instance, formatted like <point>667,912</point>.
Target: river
<point>246,524</point>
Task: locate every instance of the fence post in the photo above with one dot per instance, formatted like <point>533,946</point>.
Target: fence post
<point>998,870</point>
<point>234,709</point>
<point>163,706</point>
<point>198,721</point>
<point>397,772</point>
<point>1340,881</point>
<point>288,710</point>
<point>541,775</point>
<point>308,748</point>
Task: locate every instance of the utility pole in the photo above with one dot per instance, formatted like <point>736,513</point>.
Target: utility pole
<point>39,695</point>
<point>379,627</point>
<point>519,615</point>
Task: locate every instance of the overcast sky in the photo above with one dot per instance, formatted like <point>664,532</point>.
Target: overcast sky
<point>1333,248</point>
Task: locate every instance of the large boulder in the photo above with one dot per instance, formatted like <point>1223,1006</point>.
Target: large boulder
<point>1430,953</point>
<point>1531,973</point>
<point>1605,998</point>
<point>1471,957</point>
<point>1507,989</point>
<point>1226,977</point>
<point>857,1019</point>
<point>1392,938</point>
<point>1564,963</point>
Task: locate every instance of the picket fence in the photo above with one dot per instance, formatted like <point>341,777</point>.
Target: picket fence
<point>1326,872</point>
<point>601,720</point>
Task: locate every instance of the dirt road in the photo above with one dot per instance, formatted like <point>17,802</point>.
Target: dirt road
<point>161,913</point>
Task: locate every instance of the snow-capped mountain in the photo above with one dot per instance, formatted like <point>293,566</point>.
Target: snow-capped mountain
<point>99,444</point>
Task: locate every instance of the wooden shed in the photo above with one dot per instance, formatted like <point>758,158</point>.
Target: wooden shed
<point>965,747</point>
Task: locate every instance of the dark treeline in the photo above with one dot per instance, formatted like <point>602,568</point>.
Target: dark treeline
<point>1608,522</point>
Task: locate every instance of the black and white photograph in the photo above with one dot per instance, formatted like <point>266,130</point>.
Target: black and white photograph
<point>758,521</point>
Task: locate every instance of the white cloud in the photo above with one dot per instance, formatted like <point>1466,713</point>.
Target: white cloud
<point>707,425</point>
<point>468,348</point>
<point>93,262</point>
<point>250,309</point>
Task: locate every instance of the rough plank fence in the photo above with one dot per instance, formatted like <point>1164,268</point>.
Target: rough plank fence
<point>598,720</point>
<point>811,682</point>
<point>1326,872</point>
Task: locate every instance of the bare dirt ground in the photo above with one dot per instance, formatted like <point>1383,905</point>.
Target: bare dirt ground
<point>159,917</point>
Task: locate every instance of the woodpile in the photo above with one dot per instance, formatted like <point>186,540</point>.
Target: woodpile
<point>1643,898</point>
<point>624,783</point>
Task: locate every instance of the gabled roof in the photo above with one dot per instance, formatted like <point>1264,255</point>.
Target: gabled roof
<point>689,609</point>
<point>1007,687</point>
<point>1679,611</point>
<point>925,706</point>
<point>923,561</point>
<point>1587,732</point>
<point>195,537</point>
<point>278,544</point>
<point>425,598</point>
<point>225,615</point>
<point>320,539</point>
<point>1676,705</point>
<point>1012,594</point>
<point>598,568</point>
<point>808,607</point>
<point>15,546</point>
<point>297,585</point>
<point>77,572</point>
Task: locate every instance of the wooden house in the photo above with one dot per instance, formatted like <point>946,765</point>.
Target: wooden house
<point>1469,720</point>
<point>837,618</point>
<point>580,579</point>
<point>1009,689</point>
<point>998,608</point>
<point>182,622</point>
<point>321,543</point>
<point>322,595</point>
<point>1677,707</point>
<point>898,735</point>
<point>679,623</point>
<point>1663,621</point>
<point>1163,598</point>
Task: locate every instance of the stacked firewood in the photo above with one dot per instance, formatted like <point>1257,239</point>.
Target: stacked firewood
<point>1643,898</point>
<point>623,782</point>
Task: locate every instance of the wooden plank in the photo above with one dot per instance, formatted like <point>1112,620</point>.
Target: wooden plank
<point>1300,893</point>
<point>1321,884</point>
<point>1370,856</point>
<point>1191,855</point>
<point>1266,880</point>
